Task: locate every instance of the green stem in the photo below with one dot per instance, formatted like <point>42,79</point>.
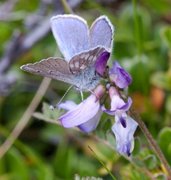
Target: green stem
<point>25,118</point>
<point>102,163</point>
<point>67,8</point>
<point>153,144</point>
<point>137,28</point>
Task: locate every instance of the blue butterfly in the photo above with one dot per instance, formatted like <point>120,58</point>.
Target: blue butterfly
<point>81,47</point>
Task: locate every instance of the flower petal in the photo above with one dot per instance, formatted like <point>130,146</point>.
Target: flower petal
<point>67,105</point>
<point>119,76</point>
<point>124,136</point>
<point>122,121</point>
<point>112,113</point>
<point>101,63</point>
<point>118,106</point>
<point>91,124</point>
<point>82,113</point>
<point>117,103</point>
<point>126,106</point>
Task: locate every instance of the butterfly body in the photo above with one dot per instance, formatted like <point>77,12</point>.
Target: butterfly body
<point>87,79</point>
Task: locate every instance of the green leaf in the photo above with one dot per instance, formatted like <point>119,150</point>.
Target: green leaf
<point>162,80</point>
<point>2,167</point>
<point>84,166</point>
<point>166,35</point>
<point>38,169</point>
<point>53,133</point>
<point>49,113</point>
<point>168,104</point>
<point>164,140</point>
<point>161,177</point>
<point>159,6</point>
<point>145,159</point>
<point>64,160</point>
<point>105,125</point>
<point>17,164</point>
<point>150,161</point>
<point>41,116</point>
<point>137,146</point>
<point>140,74</point>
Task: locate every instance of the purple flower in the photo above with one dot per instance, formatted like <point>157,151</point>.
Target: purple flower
<point>119,76</point>
<point>118,106</point>
<point>124,135</point>
<point>101,63</point>
<point>85,115</point>
<point>68,105</point>
<point>124,126</point>
<point>92,123</point>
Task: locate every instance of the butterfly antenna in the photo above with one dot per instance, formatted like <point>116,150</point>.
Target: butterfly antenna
<point>64,95</point>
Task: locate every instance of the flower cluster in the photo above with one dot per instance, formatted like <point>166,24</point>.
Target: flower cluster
<point>87,114</point>
<point>86,51</point>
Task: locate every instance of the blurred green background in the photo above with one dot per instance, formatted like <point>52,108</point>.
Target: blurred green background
<point>45,151</point>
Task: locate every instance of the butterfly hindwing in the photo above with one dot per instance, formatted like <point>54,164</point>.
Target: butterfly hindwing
<point>55,68</point>
<point>84,60</point>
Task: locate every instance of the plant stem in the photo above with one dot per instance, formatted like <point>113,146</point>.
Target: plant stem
<point>67,8</point>
<point>153,144</point>
<point>137,28</point>
<point>112,176</point>
<point>25,118</point>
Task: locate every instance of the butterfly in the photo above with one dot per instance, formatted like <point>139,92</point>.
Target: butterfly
<point>81,48</point>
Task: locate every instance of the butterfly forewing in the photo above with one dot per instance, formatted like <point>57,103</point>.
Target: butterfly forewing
<point>71,34</point>
<point>84,60</point>
<point>101,33</point>
<point>55,68</point>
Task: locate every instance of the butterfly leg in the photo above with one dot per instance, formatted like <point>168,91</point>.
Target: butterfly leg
<point>82,96</point>
<point>64,95</point>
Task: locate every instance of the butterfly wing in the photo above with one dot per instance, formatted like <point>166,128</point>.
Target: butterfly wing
<point>84,60</point>
<point>101,33</point>
<point>71,34</point>
<point>55,68</point>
